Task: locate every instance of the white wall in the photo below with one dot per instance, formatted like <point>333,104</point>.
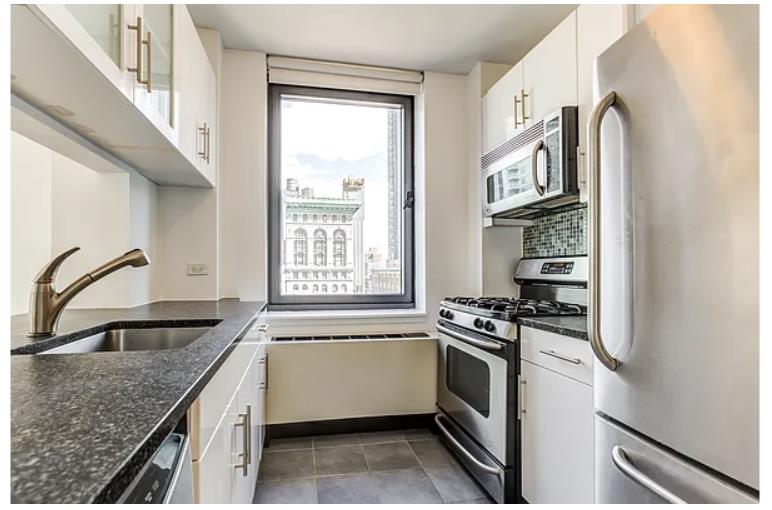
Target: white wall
<point>493,251</point>
<point>90,210</point>
<point>187,220</point>
<point>445,137</point>
<point>242,179</point>
<point>30,216</point>
<point>327,380</point>
<point>58,203</point>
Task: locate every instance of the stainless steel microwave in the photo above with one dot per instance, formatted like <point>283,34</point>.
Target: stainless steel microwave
<point>535,170</point>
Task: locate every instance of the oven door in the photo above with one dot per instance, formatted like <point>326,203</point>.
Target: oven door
<point>473,381</point>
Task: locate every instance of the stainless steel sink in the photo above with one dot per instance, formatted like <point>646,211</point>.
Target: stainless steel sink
<point>150,339</point>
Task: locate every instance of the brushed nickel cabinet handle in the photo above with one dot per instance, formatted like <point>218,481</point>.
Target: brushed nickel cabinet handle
<point>534,168</point>
<point>148,44</point>
<point>596,340</point>
<point>520,397</point>
<point>138,68</point>
<point>208,140</point>
<point>619,457</point>
<point>559,356</point>
<point>249,434</point>
<point>523,95</point>
<point>244,455</point>
<point>202,130</point>
<point>515,103</point>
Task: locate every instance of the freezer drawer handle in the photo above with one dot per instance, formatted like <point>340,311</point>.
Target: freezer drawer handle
<point>488,469</point>
<point>622,463</point>
<point>559,356</point>
<point>596,341</point>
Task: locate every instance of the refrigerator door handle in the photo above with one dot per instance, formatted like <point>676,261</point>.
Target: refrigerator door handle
<point>622,463</point>
<point>596,341</point>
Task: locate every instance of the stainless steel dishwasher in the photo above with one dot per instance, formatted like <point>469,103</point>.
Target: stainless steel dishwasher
<point>167,477</point>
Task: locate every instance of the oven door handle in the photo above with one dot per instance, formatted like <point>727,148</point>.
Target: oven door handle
<point>491,346</point>
<point>485,467</point>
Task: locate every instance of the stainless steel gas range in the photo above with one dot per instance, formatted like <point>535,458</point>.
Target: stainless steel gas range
<point>477,392</point>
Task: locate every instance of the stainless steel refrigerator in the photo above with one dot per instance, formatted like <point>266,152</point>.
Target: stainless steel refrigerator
<point>673,169</point>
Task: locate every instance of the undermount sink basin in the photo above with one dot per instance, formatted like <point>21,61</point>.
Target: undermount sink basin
<point>148,339</point>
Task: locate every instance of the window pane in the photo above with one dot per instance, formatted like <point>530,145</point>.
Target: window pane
<point>341,197</point>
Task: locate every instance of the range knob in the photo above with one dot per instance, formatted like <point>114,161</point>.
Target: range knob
<point>478,323</point>
<point>448,315</point>
<point>490,327</point>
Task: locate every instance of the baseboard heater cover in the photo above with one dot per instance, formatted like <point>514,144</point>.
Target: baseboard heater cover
<point>375,336</point>
<point>351,425</point>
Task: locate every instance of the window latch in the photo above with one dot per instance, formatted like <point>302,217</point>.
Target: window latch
<point>409,200</point>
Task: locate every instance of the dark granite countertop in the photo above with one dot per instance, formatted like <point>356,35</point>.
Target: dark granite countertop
<point>83,425</point>
<point>574,326</point>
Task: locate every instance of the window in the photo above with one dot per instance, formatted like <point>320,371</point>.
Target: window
<point>320,248</point>
<point>339,249</point>
<point>341,167</point>
<point>300,247</point>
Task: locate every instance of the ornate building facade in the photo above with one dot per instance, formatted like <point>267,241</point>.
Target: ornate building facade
<point>322,244</point>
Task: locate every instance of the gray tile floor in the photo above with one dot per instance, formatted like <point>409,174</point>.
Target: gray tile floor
<point>407,466</point>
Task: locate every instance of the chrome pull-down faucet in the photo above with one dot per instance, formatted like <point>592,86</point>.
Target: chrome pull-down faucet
<point>46,304</point>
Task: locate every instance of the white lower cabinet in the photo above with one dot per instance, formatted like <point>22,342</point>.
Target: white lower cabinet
<point>557,427</point>
<point>226,461</point>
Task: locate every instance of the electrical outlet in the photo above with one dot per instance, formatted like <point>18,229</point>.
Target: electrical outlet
<point>197,269</point>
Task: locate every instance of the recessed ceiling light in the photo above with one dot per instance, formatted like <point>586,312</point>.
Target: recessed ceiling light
<point>59,110</point>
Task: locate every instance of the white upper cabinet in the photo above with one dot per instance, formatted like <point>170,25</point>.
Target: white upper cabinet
<point>543,81</point>
<point>151,55</point>
<point>549,72</point>
<point>502,109</point>
<point>197,97</point>
<point>61,55</point>
<point>96,31</point>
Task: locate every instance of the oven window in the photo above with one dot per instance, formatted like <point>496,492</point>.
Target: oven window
<point>469,379</point>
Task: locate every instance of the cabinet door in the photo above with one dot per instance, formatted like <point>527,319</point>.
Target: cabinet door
<point>153,89</point>
<point>217,477</point>
<point>195,96</point>
<point>247,407</point>
<point>549,72</point>
<point>557,435</point>
<point>261,383</point>
<point>499,106</point>
<point>100,33</point>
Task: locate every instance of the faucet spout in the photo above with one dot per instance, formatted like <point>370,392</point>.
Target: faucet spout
<point>47,304</point>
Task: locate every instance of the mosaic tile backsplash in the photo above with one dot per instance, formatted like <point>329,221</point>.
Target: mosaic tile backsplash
<point>562,233</point>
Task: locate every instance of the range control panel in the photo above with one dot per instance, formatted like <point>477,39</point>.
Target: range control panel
<point>557,268</point>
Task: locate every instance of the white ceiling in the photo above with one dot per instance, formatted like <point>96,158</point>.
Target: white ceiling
<point>443,38</point>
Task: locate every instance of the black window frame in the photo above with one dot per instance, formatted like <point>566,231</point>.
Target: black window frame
<point>276,301</point>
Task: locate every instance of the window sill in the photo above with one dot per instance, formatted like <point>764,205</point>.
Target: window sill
<point>346,316</point>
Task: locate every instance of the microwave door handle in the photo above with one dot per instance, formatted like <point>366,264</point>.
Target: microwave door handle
<point>539,145</point>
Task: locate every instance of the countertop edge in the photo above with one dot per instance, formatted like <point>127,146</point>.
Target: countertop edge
<point>572,332</point>
<point>124,474</point>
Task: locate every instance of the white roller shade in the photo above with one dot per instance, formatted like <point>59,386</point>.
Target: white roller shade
<point>317,73</point>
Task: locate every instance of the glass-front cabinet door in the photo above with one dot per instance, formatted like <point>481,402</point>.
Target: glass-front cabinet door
<point>153,55</point>
<point>103,24</point>
<point>99,32</point>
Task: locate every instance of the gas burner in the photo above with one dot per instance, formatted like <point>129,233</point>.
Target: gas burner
<point>505,307</point>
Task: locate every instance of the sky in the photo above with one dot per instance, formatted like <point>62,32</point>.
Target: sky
<point>323,143</point>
